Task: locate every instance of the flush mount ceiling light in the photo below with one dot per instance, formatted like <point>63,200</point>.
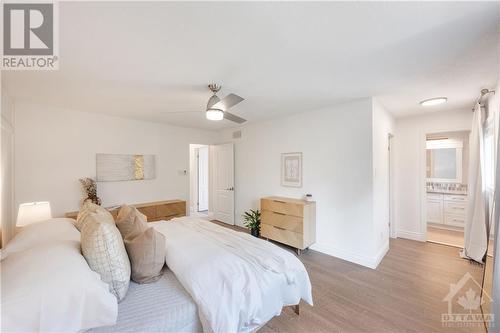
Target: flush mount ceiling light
<point>434,101</point>
<point>214,114</point>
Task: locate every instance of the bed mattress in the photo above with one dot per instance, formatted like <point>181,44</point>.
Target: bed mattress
<point>162,306</point>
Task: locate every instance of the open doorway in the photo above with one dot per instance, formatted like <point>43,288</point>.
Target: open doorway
<point>447,161</point>
<point>211,182</point>
<point>199,180</point>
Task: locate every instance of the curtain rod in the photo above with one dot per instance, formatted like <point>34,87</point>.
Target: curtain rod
<point>483,93</point>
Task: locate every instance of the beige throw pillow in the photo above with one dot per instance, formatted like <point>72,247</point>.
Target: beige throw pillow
<point>145,246</point>
<point>147,255</point>
<point>99,213</point>
<point>131,222</point>
<point>103,248</point>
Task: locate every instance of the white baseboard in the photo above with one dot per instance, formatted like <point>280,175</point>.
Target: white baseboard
<point>370,262</point>
<point>417,236</point>
<point>381,253</point>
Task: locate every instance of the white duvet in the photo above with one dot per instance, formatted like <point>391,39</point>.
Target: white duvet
<point>238,282</point>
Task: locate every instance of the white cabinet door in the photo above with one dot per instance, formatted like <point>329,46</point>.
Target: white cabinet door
<point>223,182</point>
<point>454,220</point>
<point>435,211</point>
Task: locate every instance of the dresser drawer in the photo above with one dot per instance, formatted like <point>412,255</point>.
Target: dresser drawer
<point>288,222</point>
<point>455,198</point>
<point>167,217</point>
<point>283,207</point>
<point>434,196</point>
<point>453,207</point>
<point>149,211</point>
<point>282,235</point>
<point>454,220</point>
<point>172,209</point>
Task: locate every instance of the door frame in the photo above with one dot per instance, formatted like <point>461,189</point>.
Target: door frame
<point>192,201</point>
<point>422,171</point>
<point>197,150</point>
<point>392,220</point>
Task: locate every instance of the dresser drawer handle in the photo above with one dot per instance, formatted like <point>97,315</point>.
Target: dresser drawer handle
<point>279,201</point>
<point>460,208</point>
<point>280,228</point>
<point>278,213</point>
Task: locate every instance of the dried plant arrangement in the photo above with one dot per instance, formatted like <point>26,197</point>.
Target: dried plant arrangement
<point>90,187</point>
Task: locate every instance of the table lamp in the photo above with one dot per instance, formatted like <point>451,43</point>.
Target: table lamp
<point>32,212</point>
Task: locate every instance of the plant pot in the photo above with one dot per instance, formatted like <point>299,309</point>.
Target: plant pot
<point>255,232</point>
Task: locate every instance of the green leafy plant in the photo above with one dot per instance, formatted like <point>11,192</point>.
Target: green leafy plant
<point>252,219</point>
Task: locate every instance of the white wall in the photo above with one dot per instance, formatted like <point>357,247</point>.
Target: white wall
<point>55,147</point>
<point>409,170</point>
<point>7,211</point>
<point>383,125</point>
<point>494,106</point>
<point>337,148</point>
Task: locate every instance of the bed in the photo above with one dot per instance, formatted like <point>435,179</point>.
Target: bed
<point>237,281</point>
<point>215,280</point>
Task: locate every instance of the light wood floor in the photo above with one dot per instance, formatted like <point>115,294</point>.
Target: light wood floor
<point>445,236</point>
<point>451,237</point>
<point>404,294</point>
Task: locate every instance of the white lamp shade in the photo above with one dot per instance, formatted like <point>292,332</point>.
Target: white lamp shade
<point>32,212</point>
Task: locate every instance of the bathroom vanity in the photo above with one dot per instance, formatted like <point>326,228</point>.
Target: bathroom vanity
<point>445,209</point>
<point>446,186</point>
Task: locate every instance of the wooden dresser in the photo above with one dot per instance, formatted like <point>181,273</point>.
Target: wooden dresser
<point>289,221</point>
<point>154,211</point>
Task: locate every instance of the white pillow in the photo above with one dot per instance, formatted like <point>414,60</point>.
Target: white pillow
<point>46,232</point>
<point>90,211</point>
<point>103,248</point>
<point>50,288</point>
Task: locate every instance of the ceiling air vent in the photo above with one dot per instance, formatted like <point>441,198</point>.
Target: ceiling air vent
<point>237,135</point>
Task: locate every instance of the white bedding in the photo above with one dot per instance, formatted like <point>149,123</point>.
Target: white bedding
<point>47,286</point>
<point>162,306</point>
<point>238,282</point>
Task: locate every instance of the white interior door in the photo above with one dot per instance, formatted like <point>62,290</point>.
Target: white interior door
<point>202,179</point>
<point>223,182</point>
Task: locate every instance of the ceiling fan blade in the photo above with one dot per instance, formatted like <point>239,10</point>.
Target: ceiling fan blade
<point>235,118</point>
<point>227,102</point>
<point>174,112</point>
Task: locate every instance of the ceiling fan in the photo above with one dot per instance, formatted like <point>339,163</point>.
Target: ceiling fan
<point>217,108</point>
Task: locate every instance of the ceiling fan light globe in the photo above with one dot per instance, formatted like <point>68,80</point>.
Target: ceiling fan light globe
<point>214,115</point>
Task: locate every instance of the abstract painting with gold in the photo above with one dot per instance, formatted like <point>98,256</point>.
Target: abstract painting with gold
<point>120,167</point>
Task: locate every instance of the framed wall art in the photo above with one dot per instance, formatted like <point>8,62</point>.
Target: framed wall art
<point>291,169</point>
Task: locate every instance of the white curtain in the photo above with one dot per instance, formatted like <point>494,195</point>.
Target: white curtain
<point>477,211</point>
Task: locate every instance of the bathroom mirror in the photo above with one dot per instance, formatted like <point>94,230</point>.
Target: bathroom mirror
<point>444,160</point>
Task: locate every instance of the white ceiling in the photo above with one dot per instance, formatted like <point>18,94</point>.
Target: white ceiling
<point>143,60</point>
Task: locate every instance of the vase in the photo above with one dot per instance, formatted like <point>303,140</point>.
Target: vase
<point>255,232</point>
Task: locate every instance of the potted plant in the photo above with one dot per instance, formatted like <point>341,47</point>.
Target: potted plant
<point>252,221</point>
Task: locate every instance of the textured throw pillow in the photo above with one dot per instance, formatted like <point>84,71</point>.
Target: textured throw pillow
<point>131,222</point>
<point>147,255</point>
<point>88,209</point>
<point>103,248</point>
